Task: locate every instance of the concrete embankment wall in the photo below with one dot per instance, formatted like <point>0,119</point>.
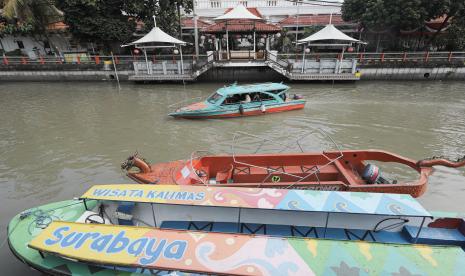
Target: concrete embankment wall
<point>442,73</point>
<point>61,72</point>
<point>73,72</point>
<point>87,75</point>
<point>252,74</point>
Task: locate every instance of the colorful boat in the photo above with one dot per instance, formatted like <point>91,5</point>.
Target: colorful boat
<point>337,170</point>
<point>243,100</point>
<point>141,229</point>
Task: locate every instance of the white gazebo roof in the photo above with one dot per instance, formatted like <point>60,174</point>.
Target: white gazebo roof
<point>156,35</point>
<point>239,12</point>
<point>329,33</point>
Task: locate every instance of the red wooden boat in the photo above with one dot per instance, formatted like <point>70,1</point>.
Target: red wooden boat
<point>347,171</point>
<point>337,170</point>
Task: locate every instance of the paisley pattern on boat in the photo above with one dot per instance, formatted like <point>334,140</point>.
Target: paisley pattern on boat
<point>262,198</point>
<point>239,254</point>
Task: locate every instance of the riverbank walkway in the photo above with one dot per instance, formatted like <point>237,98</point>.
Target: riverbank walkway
<point>291,67</point>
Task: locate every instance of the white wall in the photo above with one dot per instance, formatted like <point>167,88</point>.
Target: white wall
<point>10,43</point>
<point>274,10</point>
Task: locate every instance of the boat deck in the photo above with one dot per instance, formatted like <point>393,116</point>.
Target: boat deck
<point>220,253</point>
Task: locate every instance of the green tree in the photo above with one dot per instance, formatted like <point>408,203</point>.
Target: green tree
<point>454,38</point>
<point>101,21</point>
<point>392,16</point>
<point>13,27</point>
<point>167,12</point>
<point>38,13</point>
<point>453,12</point>
<point>109,21</point>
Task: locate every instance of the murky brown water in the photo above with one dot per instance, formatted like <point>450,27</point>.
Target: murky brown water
<point>57,139</point>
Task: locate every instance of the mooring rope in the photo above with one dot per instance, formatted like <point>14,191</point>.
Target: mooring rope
<point>42,218</point>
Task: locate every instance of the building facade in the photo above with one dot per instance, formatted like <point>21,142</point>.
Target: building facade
<point>272,10</point>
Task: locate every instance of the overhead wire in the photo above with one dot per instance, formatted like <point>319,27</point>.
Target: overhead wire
<point>317,3</point>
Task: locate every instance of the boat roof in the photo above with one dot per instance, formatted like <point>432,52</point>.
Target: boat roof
<point>240,254</point>
<point>262,198</point>
<point>251,88</point>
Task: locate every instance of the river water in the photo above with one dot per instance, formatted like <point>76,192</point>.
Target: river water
<point>57,139</point>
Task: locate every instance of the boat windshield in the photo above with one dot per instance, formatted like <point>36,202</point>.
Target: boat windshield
<point>214,98</point>
<point>277,91</point>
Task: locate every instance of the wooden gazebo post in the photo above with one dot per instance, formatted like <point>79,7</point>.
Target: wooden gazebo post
<point>227,41</point>
<point>254,42</point>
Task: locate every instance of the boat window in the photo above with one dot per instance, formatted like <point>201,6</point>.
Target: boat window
<point>264,97</point>
<point>276,91</point>
<point>214,98</point>
<point>233,99</point>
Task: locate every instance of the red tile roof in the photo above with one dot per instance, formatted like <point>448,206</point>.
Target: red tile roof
<point>436,23</point>
<point>242,26</point>
<point>254,11</point>
<point>188,23</point>
<point>57,26</point>
<point>309,20</point>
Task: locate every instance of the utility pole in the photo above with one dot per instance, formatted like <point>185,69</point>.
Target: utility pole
<point>297,22</point>
<point>196,32</point>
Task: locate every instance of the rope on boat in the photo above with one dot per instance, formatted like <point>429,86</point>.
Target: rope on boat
<point>41,218</point>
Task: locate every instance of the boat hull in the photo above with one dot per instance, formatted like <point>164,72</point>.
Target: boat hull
<point>343,175</point>
<point>235,113</point>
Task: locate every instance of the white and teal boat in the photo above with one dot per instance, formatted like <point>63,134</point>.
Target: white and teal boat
<point>243,100</point>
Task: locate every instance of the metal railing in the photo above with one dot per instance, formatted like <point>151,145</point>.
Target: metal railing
<point>281,59</point>
<point>91,59</point>
<point>374,57</point>
<point>277,60</point>
<point>314,170</point>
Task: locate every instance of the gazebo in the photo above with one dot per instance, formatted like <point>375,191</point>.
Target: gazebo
<point>157,38</point>
<point>328,33</point>
<point>240,20</point>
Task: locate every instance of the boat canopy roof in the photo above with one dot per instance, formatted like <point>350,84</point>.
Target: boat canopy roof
<point>261,198</point>
<point>220,253</point>
<point>251,88</point>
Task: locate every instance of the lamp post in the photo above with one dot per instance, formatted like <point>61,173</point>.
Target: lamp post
<point>297,22</point>
<point>306,50</point>
<point>196,32</point>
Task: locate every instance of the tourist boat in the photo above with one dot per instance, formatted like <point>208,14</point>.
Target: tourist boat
<point>343,170</point>
<point>243,100</point>
<point>142,229</point>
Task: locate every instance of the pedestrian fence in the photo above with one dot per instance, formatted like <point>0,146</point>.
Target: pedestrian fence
<point>96,59</point>
<point>361,58</point>
<point>370,57</point>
